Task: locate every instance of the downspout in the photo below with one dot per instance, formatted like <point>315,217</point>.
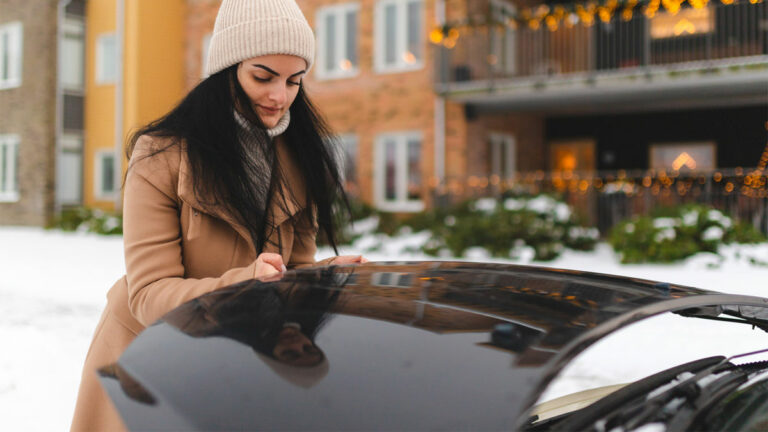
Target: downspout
<point>439,112</point>
<point>118,160</point>
<point>59,121</point>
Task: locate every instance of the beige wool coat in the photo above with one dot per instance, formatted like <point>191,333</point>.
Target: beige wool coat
<point>175,250</point>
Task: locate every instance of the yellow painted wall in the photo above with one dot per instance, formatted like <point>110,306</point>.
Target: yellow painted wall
<point>154,59</point>
<point>99,98</point>
<point>153,74</point>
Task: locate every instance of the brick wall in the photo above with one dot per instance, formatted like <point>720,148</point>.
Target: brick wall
<point>30,112</point>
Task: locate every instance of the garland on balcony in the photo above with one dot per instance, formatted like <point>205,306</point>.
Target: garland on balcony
<point>563,15</point>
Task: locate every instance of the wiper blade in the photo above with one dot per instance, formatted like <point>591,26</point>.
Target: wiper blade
<point>604,407</point>
<point>708,396</point>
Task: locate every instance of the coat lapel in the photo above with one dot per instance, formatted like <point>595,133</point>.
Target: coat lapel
<point>292,186</point>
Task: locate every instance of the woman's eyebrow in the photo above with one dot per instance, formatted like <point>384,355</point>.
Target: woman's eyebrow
<point>275,73</point>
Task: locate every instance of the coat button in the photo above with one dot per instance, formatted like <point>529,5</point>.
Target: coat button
<point>196,213</point>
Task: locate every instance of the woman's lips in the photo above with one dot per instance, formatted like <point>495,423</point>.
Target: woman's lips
<point>270,110</point>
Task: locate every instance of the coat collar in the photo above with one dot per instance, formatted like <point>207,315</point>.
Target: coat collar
<point>291,186</point>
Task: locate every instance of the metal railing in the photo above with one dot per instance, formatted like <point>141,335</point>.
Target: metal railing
<point>714,37</point>
<point>604,199</point>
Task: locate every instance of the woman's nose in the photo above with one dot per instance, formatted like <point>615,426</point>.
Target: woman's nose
<point>278,95</point>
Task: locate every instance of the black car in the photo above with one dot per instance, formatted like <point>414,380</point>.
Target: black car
<point>426,346</point>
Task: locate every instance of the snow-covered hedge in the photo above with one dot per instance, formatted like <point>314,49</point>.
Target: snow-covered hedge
<point>506,228</point>
<point>675,233</point>
<point>85,219</point>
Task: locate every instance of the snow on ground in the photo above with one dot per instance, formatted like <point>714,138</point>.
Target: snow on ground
<point>53,286</point>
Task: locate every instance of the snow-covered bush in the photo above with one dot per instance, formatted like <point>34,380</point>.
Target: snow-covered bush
<point>84,219</point>
<point>505,228</point>
<point>675,233</point>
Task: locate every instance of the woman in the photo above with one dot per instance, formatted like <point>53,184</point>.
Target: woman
<point>234,183</point>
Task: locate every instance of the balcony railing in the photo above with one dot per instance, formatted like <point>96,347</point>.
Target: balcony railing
<point>711,39</point>
<point>603,199</point>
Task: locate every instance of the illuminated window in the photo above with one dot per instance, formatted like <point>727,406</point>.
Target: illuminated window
<point>399,35</point>
<point>398,180</point>
<point>683,156</point>
<point>337,37</point>
<point>686,22</point>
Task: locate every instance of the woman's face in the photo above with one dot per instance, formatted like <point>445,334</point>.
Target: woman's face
<point>271,83</point>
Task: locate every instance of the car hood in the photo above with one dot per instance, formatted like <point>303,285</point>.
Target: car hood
<point>395,346</point>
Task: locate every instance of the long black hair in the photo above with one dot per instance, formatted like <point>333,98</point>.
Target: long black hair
<point>224,174</point>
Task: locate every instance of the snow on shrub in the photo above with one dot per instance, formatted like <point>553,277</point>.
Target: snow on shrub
<point>510,227</point>
<point>676,233</point>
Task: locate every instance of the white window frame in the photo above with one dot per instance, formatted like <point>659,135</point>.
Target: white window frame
<point>401,35</point>
<point>401,203</point>
<point>682,146</point>
<point>73,27</point>
<point>205,44</point>
<point>100,193</point>
<point>101,58</point>
<point>14,31</point>
<point>503,144</point>
<point>340,11</point>
<point>9,168</point>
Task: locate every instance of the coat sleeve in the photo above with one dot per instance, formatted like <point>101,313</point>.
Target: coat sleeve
<point>152,238</point>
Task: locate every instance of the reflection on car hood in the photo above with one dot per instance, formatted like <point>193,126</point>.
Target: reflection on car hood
<point>395,346</point>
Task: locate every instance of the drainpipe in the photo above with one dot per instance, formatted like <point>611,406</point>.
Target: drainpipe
<point>118,168</point>
<point>439,111</point>
<point>59,121</point>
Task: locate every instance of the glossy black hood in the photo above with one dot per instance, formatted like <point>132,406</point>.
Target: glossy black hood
<point>386,346</point>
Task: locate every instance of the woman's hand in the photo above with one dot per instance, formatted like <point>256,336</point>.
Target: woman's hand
<point>269,264</point>
<point>349,259</point>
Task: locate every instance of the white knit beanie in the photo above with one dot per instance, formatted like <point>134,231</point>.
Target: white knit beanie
<point>249,28</point>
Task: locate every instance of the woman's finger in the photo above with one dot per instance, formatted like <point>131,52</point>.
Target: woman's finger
<point>273,259</point>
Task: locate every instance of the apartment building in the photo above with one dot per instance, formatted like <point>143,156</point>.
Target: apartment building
<point>41,105</point>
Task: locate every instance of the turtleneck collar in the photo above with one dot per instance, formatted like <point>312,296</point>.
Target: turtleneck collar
<point>279,128</point>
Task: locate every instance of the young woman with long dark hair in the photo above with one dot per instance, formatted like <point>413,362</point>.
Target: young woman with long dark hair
<point>233,184</point>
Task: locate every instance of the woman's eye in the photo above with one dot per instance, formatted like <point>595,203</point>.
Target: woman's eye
<point>261,79</point>
<point>294,83</point>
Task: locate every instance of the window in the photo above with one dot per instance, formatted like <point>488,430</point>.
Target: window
<point>337,41</point>
<point>9,162</point>
<point>69,170</point>
<point>10,55</point>
<point>106,59</point>
<point>399,30</point>
<point>502,156</point>
<point>503,40</point>
<point>348,161</point>
<point>72,55</point>
<point>105,175</point>
<point>398,181</point>
<point>694,156</point>
<point>204,58</point>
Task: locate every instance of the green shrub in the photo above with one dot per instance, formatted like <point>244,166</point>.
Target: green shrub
<point>504,226</point>
<point>85,219</point>
<point>674,233</point>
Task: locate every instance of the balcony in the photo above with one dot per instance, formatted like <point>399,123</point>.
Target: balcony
<point>711,56</point>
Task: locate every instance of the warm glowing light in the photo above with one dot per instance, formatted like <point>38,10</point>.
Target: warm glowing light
<point>534,24</point>
<point>605,14</point>
<point>552,24</point>
<point>729,187</point>
<point>626,14</point>
<point>449,43</point>
<point>726,2</point>
<point>684,26</point>
<point>345,65</point>
<point>409,57</point>
<point>493,59</point>
<point>684,160</point>
<point>436,36</point>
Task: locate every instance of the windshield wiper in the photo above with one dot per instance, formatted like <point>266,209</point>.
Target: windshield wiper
<point>604,407</point>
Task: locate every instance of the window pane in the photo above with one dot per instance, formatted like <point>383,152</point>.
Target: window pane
<point>390,167</point>
<point>351,42</point>
<point>107,173</point>
<point>414,169</point>
<point>350,160</point>
<point>72,62</point>
<point>3,167</point>
<point>107,59</point>
<point>390,34</point>
<point>330,42</point>
<point>5,55</point>
<point>414,32</point>
<point>69,180</point>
